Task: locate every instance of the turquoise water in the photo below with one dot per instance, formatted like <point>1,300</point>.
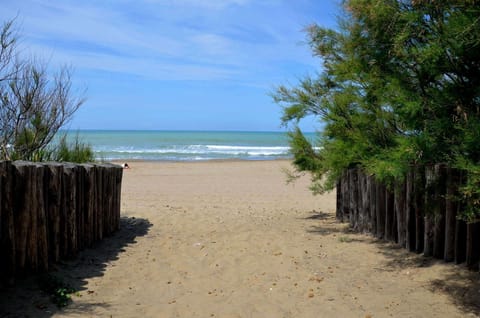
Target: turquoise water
<point>185,145</point>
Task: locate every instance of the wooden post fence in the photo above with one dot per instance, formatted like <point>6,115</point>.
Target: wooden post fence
<point>50,211</point>
<point>419,213</point>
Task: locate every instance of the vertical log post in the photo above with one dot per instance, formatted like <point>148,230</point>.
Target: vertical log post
<point>353,186</point>
<point>419,202</point>
<point>429,210</point>
<point>410,235</point>
<point>346,197</point>
<point>373,205</point>
<point>53,203</point>
<point>80,206</point>
<point>461,227</point>
<point>451,199</point>
<point>473,246</point>
<point>380,208</point>
<point>89,204</point>
<point>339,207</point>
<point>363,211</point>
<point>118,196</point>
<point>42,222</point>
<point>439,212</point>
<point>400,212</point>
<point>99,202</point>
<point>70,214</point>
<point>389,216</point>
<point>7,224</point>
<point>21,213</point>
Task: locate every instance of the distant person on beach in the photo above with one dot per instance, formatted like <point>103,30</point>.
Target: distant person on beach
<point>125,166</point>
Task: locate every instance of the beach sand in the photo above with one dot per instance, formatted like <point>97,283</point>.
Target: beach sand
<point>232,239</point>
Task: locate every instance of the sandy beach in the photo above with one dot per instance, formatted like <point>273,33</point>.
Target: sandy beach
<point>232,239</point>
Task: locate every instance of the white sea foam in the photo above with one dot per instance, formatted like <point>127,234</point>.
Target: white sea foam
<point>201,150</point>
<point>187,145</point>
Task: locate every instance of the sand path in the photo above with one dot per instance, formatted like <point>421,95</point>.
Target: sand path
<point>231,239</point>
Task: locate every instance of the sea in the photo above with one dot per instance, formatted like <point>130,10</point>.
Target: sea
<point>151,145</point>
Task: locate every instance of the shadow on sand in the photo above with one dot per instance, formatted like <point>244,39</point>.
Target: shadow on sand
<point>27,299</point>
<point>460,285</point>
<point>329,225</point>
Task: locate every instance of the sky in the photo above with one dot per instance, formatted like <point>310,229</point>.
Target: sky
<point>174,64</point>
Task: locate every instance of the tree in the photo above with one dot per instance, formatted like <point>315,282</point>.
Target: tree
<point>400,85</point>
<point>33,104</point>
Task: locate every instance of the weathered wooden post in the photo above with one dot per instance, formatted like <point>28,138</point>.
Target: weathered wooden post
<point>353,204</point>
<point>7,224</point>
<point>80,206</point>
<point>460,239</point>
<point>339,207</point>
<point>473,245</point>
<point>99,203</point>
<point>380,208</point>
<point>389,216</point>
<point>373,205</point>
<point>439,211</point>
<point>429,210</point>
<point>453,182</point>
<point>410,228</point>
<point>346,197</point>
<point>53,203</point>
<point>41,215</point>
<point>419,203</point>
<point>89,203</point>
<point>70,213</point>
<point>363,202</point>
<point>22,213</point>
<point>118,196</point>
<point>400,211</point>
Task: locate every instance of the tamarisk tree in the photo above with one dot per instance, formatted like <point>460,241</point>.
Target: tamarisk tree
<point>400,85</point>
<point>34,105</point>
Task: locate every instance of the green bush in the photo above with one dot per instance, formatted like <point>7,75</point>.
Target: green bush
<point>77,151</point>
<point>399,87</point>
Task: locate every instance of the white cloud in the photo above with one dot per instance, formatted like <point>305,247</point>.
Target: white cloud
<point>165,39</point>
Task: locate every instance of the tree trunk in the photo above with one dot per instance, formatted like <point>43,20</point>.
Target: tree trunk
<point>429,210</point>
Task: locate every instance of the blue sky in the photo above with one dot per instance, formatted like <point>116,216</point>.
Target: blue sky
<point>174,64</point>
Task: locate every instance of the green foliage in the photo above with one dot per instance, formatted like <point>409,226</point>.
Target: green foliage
<point>34,105</point>
<point>63,151</point>
<point>77,151</point>
<point>60,292</point>
<point>399,86</point>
